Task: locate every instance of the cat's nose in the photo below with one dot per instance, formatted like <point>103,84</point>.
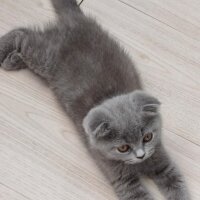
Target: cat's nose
<point>140,153</point>
<point>141,157</point>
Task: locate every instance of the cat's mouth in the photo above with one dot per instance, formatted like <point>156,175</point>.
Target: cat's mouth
<point>132,162</point>
<point>139,160</point>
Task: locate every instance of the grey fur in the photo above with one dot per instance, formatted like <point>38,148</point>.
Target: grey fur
<point>98,86</point>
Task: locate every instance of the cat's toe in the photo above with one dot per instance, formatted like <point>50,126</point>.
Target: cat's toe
<point>2,56</point>
<point>13,62</point>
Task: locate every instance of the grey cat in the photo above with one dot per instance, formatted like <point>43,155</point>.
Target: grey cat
<point>98,86</point>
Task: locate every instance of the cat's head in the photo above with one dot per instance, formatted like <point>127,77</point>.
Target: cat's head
<point>126,128</point>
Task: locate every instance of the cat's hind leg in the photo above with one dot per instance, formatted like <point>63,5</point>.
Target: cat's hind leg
<point>13,61</point>
<point>10,43</point>
<point>33,49</point>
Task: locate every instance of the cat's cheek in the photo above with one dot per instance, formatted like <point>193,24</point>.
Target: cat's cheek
<point>149,149</point>
<point>150,152</point>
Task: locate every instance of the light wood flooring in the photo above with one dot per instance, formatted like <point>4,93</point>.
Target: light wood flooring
<point>41,156</point>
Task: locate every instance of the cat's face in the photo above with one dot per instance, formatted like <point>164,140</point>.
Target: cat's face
<point>126,127</point>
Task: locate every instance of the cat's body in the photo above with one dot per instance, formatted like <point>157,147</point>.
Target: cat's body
<point>96,83</point>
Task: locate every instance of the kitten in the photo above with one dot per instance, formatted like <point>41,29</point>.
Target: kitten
<point>99,88</point>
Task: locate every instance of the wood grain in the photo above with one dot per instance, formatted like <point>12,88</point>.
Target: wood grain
<point>41,156</point>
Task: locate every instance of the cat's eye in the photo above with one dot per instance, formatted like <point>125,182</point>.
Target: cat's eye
<point>148,137</point>
<point>123,148</point>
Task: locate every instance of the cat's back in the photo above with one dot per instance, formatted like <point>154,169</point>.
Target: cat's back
<point>92,66</point>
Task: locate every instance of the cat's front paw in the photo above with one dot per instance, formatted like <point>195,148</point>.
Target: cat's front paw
<point>181,196</point>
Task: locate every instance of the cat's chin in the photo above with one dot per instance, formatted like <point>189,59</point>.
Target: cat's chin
<point>128,162</point>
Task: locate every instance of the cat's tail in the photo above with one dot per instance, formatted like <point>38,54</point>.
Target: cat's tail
<point>62,7</point>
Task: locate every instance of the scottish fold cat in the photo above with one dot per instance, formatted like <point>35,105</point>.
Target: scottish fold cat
<point>99,88</point>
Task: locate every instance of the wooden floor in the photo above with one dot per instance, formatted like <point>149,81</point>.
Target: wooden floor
<point>41,157</point>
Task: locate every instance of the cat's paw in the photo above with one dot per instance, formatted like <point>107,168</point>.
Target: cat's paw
<point>13,62</point>
<point>2,56</point>
<point>9,43</point>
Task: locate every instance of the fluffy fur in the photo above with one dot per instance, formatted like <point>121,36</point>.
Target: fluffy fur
<point>100,90</point>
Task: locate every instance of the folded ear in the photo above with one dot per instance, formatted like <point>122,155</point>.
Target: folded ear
<point>148,104</point>
<point>150,109</point>
<point>97,123</point>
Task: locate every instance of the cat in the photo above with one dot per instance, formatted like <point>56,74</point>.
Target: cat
<point>98,86</point>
